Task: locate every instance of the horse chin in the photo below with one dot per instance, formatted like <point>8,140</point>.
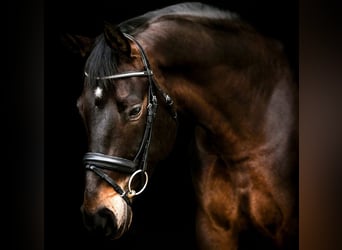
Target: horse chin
<point>123,216</point>
<point>122,229</point>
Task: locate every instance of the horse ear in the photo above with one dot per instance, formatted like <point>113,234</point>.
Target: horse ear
<point>116,39</point>
<point>78,44</point>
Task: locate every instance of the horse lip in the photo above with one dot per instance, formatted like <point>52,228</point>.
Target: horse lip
<point>126,225</point>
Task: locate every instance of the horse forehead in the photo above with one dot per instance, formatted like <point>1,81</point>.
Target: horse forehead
<point>98,92</point>
<point>125,88</point>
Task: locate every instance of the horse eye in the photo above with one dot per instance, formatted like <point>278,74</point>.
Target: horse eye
<point>135,112</point>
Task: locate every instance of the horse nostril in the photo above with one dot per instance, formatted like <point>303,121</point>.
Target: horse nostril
<point>102,222</point>
<point>106,222</point>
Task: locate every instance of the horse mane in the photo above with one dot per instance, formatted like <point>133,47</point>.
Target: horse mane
<point>191,9</point>
<point>101,62</point>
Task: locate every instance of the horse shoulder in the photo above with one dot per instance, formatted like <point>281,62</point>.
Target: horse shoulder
<point>235,194</point>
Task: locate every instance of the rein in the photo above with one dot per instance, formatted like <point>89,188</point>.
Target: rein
<point>95,162</point>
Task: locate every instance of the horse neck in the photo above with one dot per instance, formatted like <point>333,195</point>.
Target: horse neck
<point>227,81</point>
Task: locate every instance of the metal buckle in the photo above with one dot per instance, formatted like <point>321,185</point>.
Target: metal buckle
<point>131,192</point>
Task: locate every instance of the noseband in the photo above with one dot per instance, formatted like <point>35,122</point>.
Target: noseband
<point>95,162</point>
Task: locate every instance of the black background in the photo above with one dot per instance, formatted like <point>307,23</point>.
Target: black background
<point>25,84</point>
<point>163,215</point>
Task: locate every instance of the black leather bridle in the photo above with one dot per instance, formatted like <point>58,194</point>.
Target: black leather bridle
<point>96,161</point>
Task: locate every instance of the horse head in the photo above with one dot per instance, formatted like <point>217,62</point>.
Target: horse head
<point>128,128</point>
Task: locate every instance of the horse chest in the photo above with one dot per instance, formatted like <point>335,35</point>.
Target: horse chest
<point>234,198</point>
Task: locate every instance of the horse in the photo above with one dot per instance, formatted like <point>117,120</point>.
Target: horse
<point>196,67</point>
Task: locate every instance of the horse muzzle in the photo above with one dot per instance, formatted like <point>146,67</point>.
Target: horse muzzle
<point>107,221</point>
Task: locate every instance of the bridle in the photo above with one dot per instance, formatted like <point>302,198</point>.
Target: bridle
<point>95,162</point>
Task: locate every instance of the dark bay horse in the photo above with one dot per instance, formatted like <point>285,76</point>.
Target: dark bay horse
<point>237,92</point>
